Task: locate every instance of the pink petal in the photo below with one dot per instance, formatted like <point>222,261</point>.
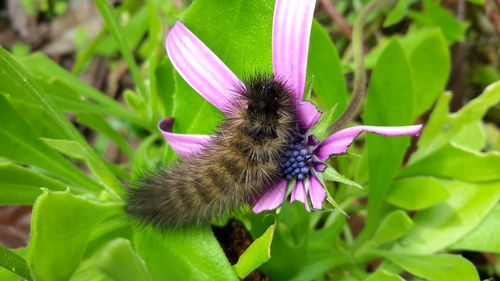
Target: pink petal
<point>307,114</point>
<point>340,141</point>
<point>291,30</point>
<point>272,198</point>
<point>316,192</point>
<point>201,68</point>
<point>299,194</point>
<point>184,145</point>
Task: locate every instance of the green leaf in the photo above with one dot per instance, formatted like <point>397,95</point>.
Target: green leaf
<point>111,21</point>
<point>436,267</point>
<point>47,70</point>
<point>75,150</point>
<point>14,263</point>
<point>332,175</point>
<point>134,22</point>
<point>20,185</point>
<point>324,65</point>
<point>455,162</point>
<point>19,82</point>
<point>471,136</point>
<point>68,147</point>
<point>60,227</point>
<point>21,144</point>
<point>246,50</point>
<point>290,242</point>
<point>320,129</point>
<point>430,67</point>
<point>392,227</point>
<point>389,103</point>
<point>382,275</point>
<point>98,123</point>
<point>189,254</point>
<point>256,254</point>
<point>485,237</point>
<point>121,263</point>
<point>397,13</point>
<point>416,193</point>
<point>434,15</point>
<point>166,85</point>
<point>441,225</point>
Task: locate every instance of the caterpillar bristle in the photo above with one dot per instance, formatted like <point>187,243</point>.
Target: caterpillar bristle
<point>241,162</point>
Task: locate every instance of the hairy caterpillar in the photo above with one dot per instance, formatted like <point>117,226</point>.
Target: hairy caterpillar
<point>242,159</point>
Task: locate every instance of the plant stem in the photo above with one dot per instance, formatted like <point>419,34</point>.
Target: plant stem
<point>359,73</point>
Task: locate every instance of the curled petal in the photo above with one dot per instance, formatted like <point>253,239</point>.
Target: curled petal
<point>299,194</point>
<point>272,198</point>
<point>291,30</point>
<point>316,192</point>
<point>307,114</point>
<point>184,145</point>
<point>201,68</point>
<point>340,141</point>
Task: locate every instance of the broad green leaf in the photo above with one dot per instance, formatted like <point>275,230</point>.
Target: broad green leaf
<point>6,275</point>
<point>98,123</point>
<point>382,275</point>
<point>430,67</point>
<point>389,103</point>
<point>256,254</point>
<point>416,193</point>
<point>14,263</point>
<point>110,19</point>
<point>166,85</point>
<point>441,225</point>
<point>21,144</point>
<point>121,263</point>
<point>193,114</point>
<point>397,13</point>
<point>20,185</point>
<point>443,127</point>
<point>106,231</point>
<point>435,267</point>
<point>485,237</point>
<point>392,227</point>
<point>471,136</point>
<point>246,50</point>
<point>326,71</point>
<point>60,227</point>
<point>188,254</point>
<point>88,269</point>
<point>455,162</point>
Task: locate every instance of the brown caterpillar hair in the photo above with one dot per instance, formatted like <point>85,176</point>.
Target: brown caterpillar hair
<point>238,165</point>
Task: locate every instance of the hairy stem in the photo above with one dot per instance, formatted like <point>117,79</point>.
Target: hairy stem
<point>359,73</point>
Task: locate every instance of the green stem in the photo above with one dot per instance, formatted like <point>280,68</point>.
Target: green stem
<point>359,73</point>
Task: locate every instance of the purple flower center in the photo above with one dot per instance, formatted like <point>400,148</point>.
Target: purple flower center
<point>298,160</point>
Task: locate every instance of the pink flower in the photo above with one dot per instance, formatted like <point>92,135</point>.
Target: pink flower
<point>212,79</point>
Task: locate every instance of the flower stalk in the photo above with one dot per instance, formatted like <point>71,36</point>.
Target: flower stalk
<point>359,88</point>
